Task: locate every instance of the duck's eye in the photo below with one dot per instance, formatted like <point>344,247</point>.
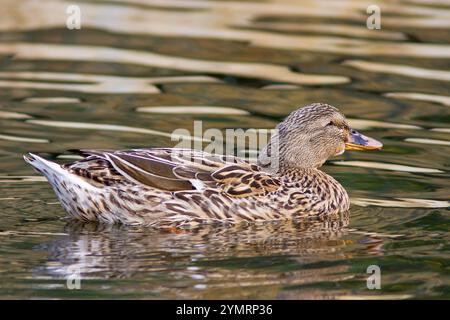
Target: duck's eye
<point>331,123</point>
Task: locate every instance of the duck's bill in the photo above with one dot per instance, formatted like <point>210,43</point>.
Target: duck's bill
<point>358,141</point>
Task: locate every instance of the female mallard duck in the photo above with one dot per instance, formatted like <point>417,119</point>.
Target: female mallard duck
<point>166,187</point>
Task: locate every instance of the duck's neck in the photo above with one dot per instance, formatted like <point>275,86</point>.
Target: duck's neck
<point>297,172</point>
<point>286,161</point>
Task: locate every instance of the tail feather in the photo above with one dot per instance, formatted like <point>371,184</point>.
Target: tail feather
<point>42,165</point>
<point>54,172</point>
<point>74,193</point>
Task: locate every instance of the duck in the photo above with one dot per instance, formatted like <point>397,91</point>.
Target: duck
<point>185,188</point>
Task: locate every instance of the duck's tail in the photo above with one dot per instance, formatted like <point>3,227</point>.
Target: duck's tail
<point>73,192</point>
<point>47,168</point>
<point>57,175</point>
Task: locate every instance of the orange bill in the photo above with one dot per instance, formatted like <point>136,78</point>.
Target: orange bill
<point>358,141</point>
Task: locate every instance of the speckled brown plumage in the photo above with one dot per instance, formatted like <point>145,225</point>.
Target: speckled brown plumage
<point>166,187</point>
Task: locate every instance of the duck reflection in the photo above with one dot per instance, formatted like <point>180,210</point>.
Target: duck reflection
<point>205,259</point>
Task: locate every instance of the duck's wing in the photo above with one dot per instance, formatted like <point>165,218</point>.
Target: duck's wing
<point>180,170</point>
<point>245,180</point>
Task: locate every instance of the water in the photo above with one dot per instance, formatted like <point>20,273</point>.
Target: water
<point>94,88</point>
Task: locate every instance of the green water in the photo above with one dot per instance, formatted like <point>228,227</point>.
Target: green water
<point>62,89</point>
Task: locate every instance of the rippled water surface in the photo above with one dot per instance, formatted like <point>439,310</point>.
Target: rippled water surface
<point>138,69</point>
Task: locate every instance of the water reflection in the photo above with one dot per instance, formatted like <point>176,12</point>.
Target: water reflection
<point>96,53</point>
<point>404,70</point>
<point>428,141</point>
<point>445,100</point>
<point>194,256</point>
<point>206,20</point>
<point>52,100</point>
<point>363,124</point>
<point>93,83</point>
<point>139,69</point>
<point>109,127</point>
<point>386,166</point>
<point>22,139</point>
<point>194,110</point>
<point>401,203</point>
<point>13,115</point>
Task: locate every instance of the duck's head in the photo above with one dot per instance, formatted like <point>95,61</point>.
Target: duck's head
<point>312,134</point>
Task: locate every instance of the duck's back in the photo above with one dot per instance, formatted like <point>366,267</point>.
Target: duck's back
<point>161,187</point>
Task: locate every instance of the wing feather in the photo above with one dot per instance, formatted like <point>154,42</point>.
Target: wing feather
<point>140,175</point>
<point>185,170</point>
